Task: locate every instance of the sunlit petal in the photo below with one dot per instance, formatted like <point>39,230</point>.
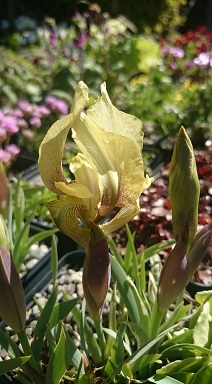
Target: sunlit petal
<point>86,174</point>
<point>74,189</point>
<point>65,212</point>
<point>123,216</point>
<point>106,115</point>
<point>51,149</point>
<point>118,161</point>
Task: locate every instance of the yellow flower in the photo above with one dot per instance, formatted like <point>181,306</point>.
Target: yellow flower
<point>109,173</point>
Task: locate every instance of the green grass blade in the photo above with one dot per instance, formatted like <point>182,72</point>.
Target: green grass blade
<point>54,259</point>
<point>93,346</point>
<point>11,364</point>
<point>112,323</point>
<point>59,360</point>
<point>156,248</point>
<point>60,311</point>
<point>114,251</point>
<point>19,252</point>
<point>38,237</point>
<point>163,380</point>
<point>40,329</point>
<point>129,294</point>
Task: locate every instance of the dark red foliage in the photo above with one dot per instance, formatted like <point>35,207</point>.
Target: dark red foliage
<point>154,221</point>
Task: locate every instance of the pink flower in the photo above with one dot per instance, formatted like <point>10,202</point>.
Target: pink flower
<point>35,122</point>
<point>9,123</point>
<point>28,133</point>
<point>43,111</point>
<point>204,59</point>
<point>26,107</point>
<point>56,105</point>
<point>4,156</point>
<point>22,123</point>
<point>3,134</point>
<point>13,149</point>
<point>177,52</point>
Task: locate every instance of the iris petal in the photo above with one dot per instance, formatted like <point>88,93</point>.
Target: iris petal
<point>52,146</point>
<point>105,114</point>
<point>118,161</point>
<point>74,189</point>
<point>65,212</point>
<point>123,216</point>
<point>86,174</point>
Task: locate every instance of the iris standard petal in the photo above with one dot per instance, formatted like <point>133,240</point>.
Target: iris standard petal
<point>105,114</point>
<point>74,189</point>
<point>86,174</point>
<point>65,212</point>
<point>118,161</point>
<point>52,146</point>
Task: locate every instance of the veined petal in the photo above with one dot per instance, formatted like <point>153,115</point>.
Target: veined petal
<point>123,216</point>
<point>106,115</point>
<point>65,212</point>
<point>118,161</point>
<point>52,146</point>
<point>74,189</point>
<point>86,174</point>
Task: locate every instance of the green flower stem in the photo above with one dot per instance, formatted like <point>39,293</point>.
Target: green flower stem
<point>100,334</point>
<point>31,368</point>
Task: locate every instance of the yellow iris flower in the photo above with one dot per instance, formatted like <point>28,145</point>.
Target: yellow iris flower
<point>109,173</point>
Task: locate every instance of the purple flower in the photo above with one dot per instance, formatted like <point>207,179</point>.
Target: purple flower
<point>13,149</point>
<point>80,42</point>
<point>22,123</point>
<point>56,105</point>
<point>17,113</point>
<point>177,52</point>
<point>52,39</point>
<point>35,122</point>
<point>165,50</point>
<point>43,111</point>
<point>4,156</point>
<point>28,133</point>
<point>172,65</point>
<point>3,134</point>
<point>204,59</point>
<point>10,124</point>
<point>26,107</point>
<point>189,64</point>
<point>23,104</point>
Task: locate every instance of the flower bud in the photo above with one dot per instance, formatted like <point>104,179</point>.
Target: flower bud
<point>12,298</point>
<point>198,248</point>
<point>179,268</point>
<point>96,272</point>
<point>184,189</point>
<point>173,277</point>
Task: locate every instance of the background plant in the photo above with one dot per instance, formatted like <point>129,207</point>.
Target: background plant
<point>18,221</point>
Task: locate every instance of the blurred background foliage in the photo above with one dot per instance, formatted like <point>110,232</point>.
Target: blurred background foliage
<point>160,16</point>
<point>155,57</point>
